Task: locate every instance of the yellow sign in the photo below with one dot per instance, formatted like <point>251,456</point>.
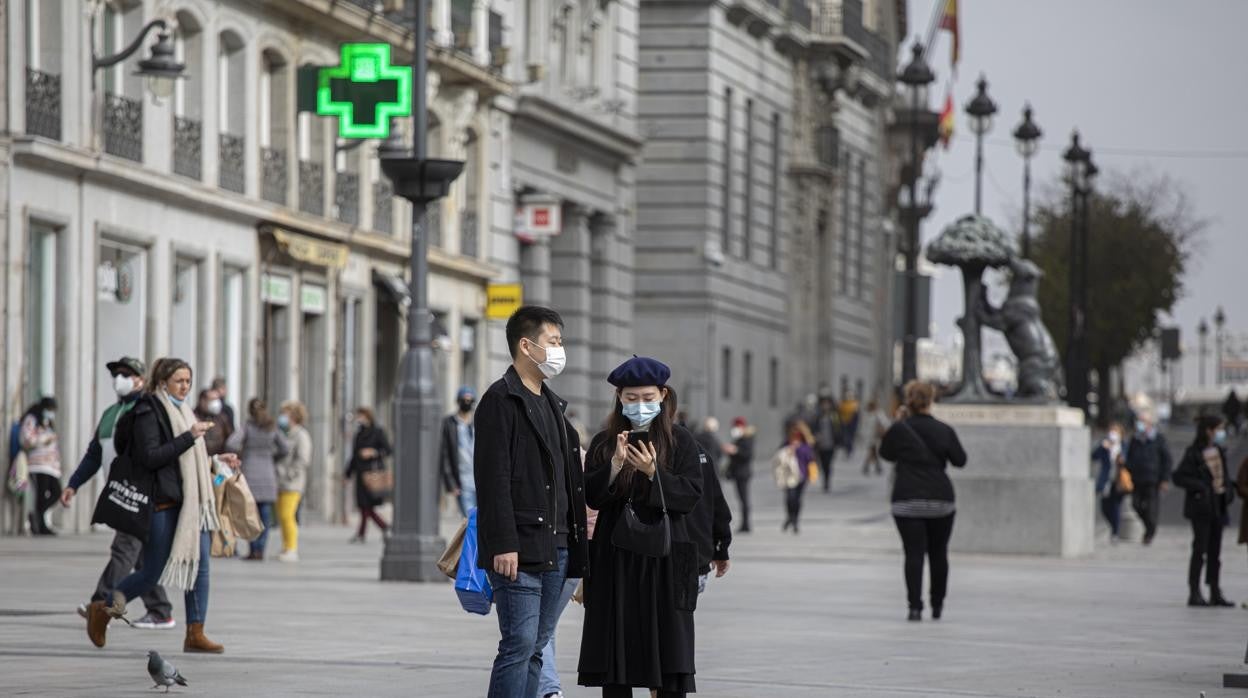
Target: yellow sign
<point>502,300</point>
<point>310,250</point>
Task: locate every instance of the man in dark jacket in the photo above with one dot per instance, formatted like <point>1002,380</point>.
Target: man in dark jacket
<point>459,437</point>
<point>531,525</point>
<point>710,523</point>
<point>1150,463</point>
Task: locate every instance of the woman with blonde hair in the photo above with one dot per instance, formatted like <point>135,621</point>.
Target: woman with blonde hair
<point>792,469</point>
<point>922,500</point>
<point>292,475</point>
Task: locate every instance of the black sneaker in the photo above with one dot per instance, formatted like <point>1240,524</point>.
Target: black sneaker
<point>1195,600</point>
<point>916,615</point>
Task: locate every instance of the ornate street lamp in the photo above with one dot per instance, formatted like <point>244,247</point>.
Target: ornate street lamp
<point>980,109</point>
<point>1076,374</point>
<point>1202,331</point>
<point>1027,138</point>
<point>1219,320</point>
<point>159,70</point>
<point>916,76</point>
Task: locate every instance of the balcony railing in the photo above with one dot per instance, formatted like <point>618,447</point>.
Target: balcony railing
<point>383,206</point>
<point>468,233</point>
<point>273,175</point>
<point>231,174</point>
<point>347,197</point>
<point>188,146</point>
<point>43,104</point>
<point>312,187</point>
<point>123,127</point>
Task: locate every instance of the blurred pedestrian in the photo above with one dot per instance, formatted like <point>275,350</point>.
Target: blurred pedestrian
<point>125,553</point>
<point>210,408</point>
<point>707,437</point>
<point>531,532</point>
<point>710,522</point>
<point>791,467</point>
<point>1231,410</point>
<point>849,423</point>
<point>260,445</point>
<point>161,435</point>
<point>1113,483</point>
<point>455,452</point>
<point>369,449</point>
<point>292,475</point>
<point>805,411</point>
<point>922,498</point>
<point>221,391</point>
<point>1204,474</point>
<point>827,428</point>
<point>878,422</point>
<point>43,457</point>
<point>639,629</point>
<point>741,466</point>
<point>1150,463</point>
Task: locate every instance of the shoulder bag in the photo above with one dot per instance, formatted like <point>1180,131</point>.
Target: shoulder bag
<point>636,536</point>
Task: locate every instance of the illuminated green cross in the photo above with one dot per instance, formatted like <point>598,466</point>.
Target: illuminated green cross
<point>364,91</point>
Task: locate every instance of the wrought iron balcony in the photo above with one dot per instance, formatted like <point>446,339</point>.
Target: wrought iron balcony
<point>231,169</point>
<point>274,171</point>
<point>123,127</point>
<point>468,233</point>
<point>188,145</point>
<point>312,187</point>
<point>383,206</point>
<point>347,197</point>
<point>43,104</point>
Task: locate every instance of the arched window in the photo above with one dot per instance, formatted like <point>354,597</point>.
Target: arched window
<point>468,219</point>
<point>231,111</point>
<point>188,98</point>
<point>312,163</point>
<point>43,68</point>
<point>123,91</point>
<point>274,111</point>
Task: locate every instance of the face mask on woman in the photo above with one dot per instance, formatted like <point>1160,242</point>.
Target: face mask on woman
<point>642,413</point>
<point>1219,437</point>
<point>214,406</point>
<point>283,421</point>
<point>176,402</point>
<point>48,416</point>
<point>123,385</point>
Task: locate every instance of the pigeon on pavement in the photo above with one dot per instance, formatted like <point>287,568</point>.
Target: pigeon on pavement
<point>162,672</point>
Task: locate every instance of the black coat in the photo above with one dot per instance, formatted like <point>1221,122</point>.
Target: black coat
<point>1148,460</point>
<point>710,522</point>
<point>514,468</point>
<point>922,452</point>
<point>638,627</point>
<point>374,437</point>
<point>1201,502</point>
<point>147,435</point>
<point>448,453</point>
<point>741,463</point>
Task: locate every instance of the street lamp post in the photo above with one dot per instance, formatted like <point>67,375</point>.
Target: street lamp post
<point>1027,138</point>
<point>1090,170</point>
<point>917,76</point>
<point>160,69</point>
<point>1202,331</point>
<point>1076,376</point>
<point>1219,320</point>
<point>980,109</point>
<point>413,547</point>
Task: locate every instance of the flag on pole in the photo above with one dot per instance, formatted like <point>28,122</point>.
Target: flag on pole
<point>945,126</point>
<point>949,21</point>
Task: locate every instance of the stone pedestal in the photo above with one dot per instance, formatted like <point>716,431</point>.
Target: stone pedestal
<point>1027,487</point>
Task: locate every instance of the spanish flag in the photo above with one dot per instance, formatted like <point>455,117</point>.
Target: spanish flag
<point>949,21</point>
<point>945,127</point>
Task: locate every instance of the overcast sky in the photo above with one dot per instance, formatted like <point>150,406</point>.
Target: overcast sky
<point>1151,84</point>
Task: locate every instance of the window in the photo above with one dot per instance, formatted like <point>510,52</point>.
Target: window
<point>276,291</point>
<point>776,177</point>
<point>468,245</point>
<point>231,112</point>
<point>184,324</point>
<point>726,232</point>
<point>726,374</point>
<point>861,231</point>
<point>230,331</point>
<point>120,309</point>
<point>41,319</point>
<point>748,231</point>
<point>846,222</point>
<point>773,379</point>
<point>468,354</point>
<point>747,377</point>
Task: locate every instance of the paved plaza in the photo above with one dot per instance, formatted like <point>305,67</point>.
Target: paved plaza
<point>816,615</point>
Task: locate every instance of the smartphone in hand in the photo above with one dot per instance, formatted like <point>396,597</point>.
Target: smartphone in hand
<point>636,438</point>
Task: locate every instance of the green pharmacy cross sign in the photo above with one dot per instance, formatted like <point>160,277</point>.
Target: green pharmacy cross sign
<point>364,91</point>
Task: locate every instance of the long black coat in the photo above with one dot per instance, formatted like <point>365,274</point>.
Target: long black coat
<point>1194,477</point>
<point>639,610</point>
<point>373,437</point>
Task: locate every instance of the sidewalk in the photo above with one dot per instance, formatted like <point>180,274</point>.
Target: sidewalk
<point>816,615</point>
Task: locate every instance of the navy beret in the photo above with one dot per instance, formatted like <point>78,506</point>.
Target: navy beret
<point>640,371</point>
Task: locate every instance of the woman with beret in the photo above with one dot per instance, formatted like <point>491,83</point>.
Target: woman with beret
<point>642,469</point>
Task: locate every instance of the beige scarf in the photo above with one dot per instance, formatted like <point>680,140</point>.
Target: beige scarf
<point>199,508</point>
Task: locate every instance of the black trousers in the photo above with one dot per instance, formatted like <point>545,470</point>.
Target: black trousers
<point>627,692</point>
<point>793,504</point>
<point>47,491</point>
<point>1145,500</point>
<point>126,554</point>
<point>930,537</point>
<point>826,459</point>
<point>1206,552</point>
<point>743,497</point>
<point>1111,508</point>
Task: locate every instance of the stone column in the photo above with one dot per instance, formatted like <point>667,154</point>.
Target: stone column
<point>570,296</point>
<point>611,309</point>
<point>481,31</point>
<point>535,271</point>
<point>442,34</point>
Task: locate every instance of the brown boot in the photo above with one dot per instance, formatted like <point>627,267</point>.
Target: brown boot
<point>97,622</point>
<point>196,641</point>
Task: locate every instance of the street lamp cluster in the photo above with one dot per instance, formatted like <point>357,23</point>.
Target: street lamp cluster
<point>1081,172</point>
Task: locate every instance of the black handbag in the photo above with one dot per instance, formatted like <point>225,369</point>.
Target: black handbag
<point>636,536</point>
<point>126,503</point>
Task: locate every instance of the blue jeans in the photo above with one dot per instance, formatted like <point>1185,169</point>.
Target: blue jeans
<point>156,554</point>
<point>550,673</point>
<point>266,516</point>
<point>528,610</point>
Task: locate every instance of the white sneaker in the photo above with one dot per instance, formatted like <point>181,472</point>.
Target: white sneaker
<point>151,621</point>
<point>82,610</point>
<point>289,556</point>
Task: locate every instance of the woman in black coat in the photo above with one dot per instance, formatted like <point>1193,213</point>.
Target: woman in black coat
<point>1205,475</point>
<point>369,450</point>
<point>638,628</point>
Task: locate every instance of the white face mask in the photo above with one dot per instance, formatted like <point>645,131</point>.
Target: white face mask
<point>556,359</point>
<point>214,406</point>
<point>124,385</point>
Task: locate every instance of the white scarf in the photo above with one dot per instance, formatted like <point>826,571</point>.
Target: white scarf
<point>199,508</point>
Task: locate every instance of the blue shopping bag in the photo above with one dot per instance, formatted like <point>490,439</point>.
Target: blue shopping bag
<point>472,584</point>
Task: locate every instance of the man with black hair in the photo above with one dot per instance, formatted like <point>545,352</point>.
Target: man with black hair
<point>531,520</point>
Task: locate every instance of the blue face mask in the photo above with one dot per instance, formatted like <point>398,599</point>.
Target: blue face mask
<point>1140,426</point>
<point>176,402</point>
<point>283,421</point>
<point>642,413</point>
<point>1219,437</point>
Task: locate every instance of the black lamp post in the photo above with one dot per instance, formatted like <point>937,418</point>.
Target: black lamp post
<point>413,548</point>
<point>1027,138</point>
<point>1219,320</point>
<point>980,109</point>
<point>1076,373</point>
<point>1202,331</point>
<point>916,76</point>
<point>160,69</point>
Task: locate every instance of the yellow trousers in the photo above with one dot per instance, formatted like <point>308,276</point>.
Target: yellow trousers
<point>287,505</point>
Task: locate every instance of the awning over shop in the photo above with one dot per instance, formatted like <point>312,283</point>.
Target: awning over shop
<point>309,250</point>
